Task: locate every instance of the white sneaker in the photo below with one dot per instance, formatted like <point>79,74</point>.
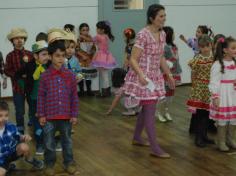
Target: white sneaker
<point>168,117</point>
<point>129,113</point>
<point>161,118</point>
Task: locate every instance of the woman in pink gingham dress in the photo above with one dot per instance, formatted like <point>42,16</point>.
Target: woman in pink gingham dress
<point>144,80</point>
<point>149,63</point>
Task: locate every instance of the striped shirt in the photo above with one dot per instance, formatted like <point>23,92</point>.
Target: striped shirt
<point>57,95</point>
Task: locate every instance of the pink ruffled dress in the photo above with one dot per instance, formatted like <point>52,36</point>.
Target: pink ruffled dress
<point>103,57</point>
<point>149,62</point>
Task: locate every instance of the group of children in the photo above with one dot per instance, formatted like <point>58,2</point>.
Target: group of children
<point>48,78</point>
<point>213,88</point>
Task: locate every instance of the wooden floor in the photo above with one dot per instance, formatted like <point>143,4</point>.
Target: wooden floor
<point>102,146</point>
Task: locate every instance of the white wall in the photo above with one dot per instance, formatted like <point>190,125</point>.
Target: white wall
<point>39,16</point>
<point>185,15</point>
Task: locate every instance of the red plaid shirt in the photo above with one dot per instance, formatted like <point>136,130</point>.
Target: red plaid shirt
<point>57,95</point>
<point>14,63</point>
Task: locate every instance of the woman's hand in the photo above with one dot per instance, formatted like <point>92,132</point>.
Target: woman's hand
<point>142,80</point>
<point>171,82</point>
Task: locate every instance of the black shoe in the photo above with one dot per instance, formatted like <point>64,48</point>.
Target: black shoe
<point>90,93</point>
<point>81,94</point>
<point>191,131</point>
<point>199,142</point>
<point>212,129</point>
<point>208,141</point>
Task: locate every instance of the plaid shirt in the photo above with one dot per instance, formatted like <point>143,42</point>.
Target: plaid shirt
<point>15,63</point>
<point>57,95</point>
<point>8,141</point>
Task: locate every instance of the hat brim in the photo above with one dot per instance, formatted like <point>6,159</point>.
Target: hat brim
<point>41,49</point>
<point>12,36</point>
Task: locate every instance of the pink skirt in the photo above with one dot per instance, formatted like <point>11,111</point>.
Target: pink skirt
<point>133,87</point>
<point>104,60</point>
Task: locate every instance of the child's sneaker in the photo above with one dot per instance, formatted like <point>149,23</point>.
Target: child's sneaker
<point>58,147</point>
<point>49,171</point>
<point>38,164</point>
<point>39,150</point>
<point>71,168</point>
<point>11,167</point>
<point>168,117</point>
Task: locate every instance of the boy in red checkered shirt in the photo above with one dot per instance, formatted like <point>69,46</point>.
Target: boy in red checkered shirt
<point>57,107</point>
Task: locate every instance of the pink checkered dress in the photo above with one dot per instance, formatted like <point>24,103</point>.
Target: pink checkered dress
<point>149,62</point>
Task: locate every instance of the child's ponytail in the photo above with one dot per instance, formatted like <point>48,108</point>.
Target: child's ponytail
<point>108,31</point>
<point>206,30</point>
<point>106,26</point>
<point>219,53</point>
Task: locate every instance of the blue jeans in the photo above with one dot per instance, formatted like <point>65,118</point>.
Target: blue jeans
<point>49,130</point>
<point>19,103</point>
<point>38,131</point>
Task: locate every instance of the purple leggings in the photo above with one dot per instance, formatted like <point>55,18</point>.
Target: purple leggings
<point>146,118</point>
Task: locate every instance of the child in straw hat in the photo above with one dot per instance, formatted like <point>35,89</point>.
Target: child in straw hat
<point>15,62</point>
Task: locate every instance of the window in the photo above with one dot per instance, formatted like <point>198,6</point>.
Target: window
<point>128,4</point>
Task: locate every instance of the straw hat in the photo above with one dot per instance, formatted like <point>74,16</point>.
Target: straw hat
<point>56,34</point>
<point>60,34</point>
<point>17,32</point>
<point>39,46</point>
<point>70,36</point>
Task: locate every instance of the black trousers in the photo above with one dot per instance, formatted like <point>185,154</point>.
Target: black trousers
<point>88,85</point>
<point>202,117</point>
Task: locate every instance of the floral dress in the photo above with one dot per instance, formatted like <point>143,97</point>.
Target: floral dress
<point>200,94</point>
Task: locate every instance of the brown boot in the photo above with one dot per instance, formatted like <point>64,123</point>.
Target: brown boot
<point>221,135</point>
<point>231,137</point>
